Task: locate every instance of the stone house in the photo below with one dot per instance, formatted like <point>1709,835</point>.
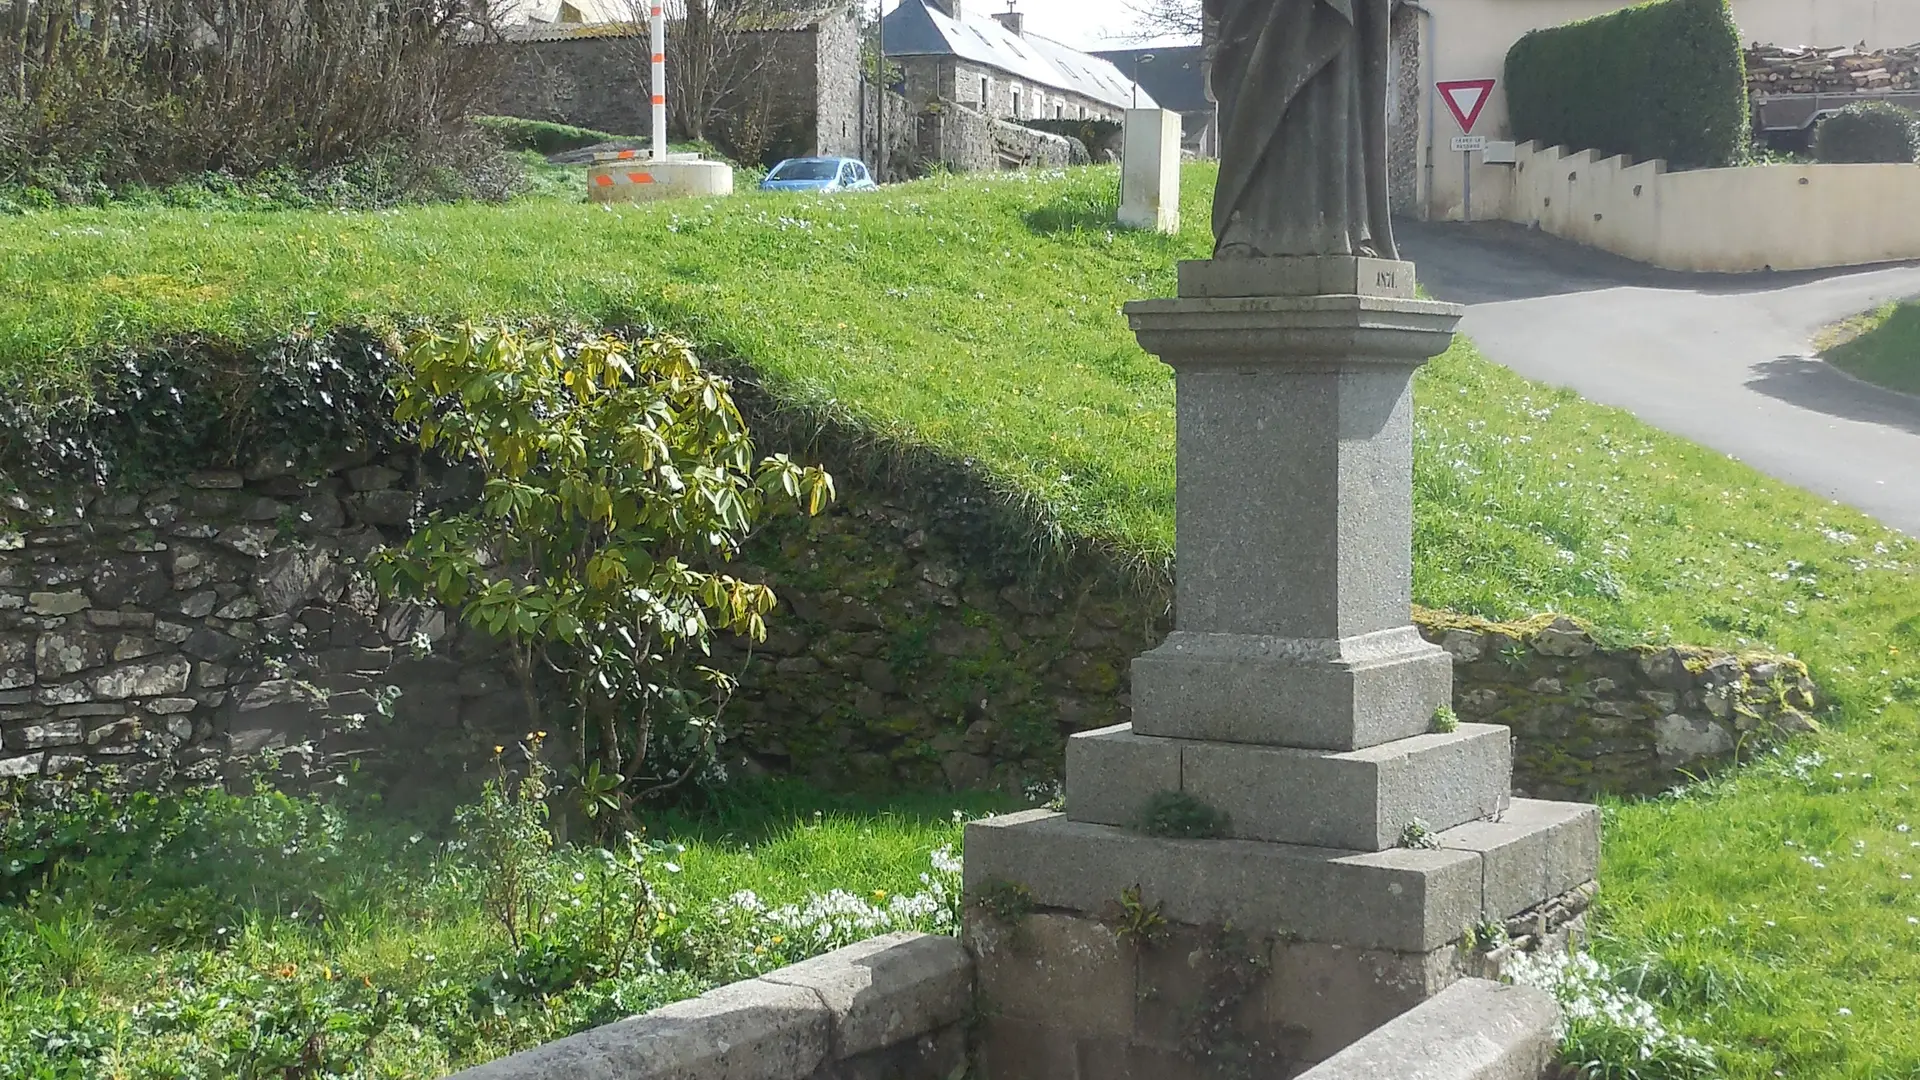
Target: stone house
<point>1176,76</point>
<point>798,91</point>
<point>949,52</point>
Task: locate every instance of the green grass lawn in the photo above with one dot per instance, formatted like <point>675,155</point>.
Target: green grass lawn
<point>213,937</point>
<point>980,317</point>
<point>1882,346</point>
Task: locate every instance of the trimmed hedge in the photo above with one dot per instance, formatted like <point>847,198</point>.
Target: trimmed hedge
<point>1661,80</point>
<point>1869,132</point>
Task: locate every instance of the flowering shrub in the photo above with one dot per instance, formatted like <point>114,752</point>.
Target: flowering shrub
<point>1609,1033</point>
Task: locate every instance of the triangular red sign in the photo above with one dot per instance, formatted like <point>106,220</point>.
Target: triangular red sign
<point>1465,98</point>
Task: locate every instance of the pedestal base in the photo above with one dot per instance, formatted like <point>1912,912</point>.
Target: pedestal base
<point>1359,800</point>
<point>1344,694</point>
<point>647,179</point>
<point>1107,954</point>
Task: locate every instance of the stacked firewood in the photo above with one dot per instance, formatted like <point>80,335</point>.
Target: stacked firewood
<point>1777,69</point>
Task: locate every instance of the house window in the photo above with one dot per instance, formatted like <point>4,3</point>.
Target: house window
<point>1016,104</point>
<point>986,91</point>
<point>1059,111</point>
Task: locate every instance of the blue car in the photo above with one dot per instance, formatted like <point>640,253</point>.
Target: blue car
<point>818,174</point>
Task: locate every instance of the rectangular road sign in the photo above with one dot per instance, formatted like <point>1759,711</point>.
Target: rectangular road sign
<point>1469,142</point>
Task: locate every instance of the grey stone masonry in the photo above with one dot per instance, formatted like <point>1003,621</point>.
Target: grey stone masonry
<point>1354,844</point>
<point>892,1007</point>
<point>1473,1030</point>
<point>1361,800</point>
<point>1322,694</point>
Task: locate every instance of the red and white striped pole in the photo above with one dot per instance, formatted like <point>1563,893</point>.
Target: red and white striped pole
<point>659,20</point>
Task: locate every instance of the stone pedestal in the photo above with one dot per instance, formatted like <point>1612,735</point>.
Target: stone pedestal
<point>1150,171</point>
<point>1356,857</point>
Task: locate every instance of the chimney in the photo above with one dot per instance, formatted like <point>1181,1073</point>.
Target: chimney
<point>1011,19</point>
<point>952,9</point>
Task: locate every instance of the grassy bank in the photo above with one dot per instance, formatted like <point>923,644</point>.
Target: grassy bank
<point>270,937</point>
<point>979,317</point>
<point>1881,346</point>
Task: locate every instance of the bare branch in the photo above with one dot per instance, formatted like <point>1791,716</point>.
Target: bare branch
<point>1164,20</point>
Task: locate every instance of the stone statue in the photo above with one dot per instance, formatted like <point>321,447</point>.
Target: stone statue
<point>1302,89</point>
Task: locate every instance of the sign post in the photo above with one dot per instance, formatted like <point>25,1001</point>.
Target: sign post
<point>1465,99</point>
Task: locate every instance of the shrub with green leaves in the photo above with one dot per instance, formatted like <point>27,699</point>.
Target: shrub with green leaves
<point>1870,132</point>
<point>619,481</point>
<point>1660,80</point>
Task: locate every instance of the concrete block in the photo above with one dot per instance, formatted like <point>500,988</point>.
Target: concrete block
<point>1112,771</point>
<point>936,1055</point>
<point>1536,851</point>
<point>1336,994</point>
<point>1473,1030</point>
<point>1016,1049</point>
<point>1361,800</point>
<point>749,1029</point>
<point>1070,969</point>
<point>1305,275</point>
<point>888,989</point>
<point>645,179</point>
<point>1150,174</point>
<point>1573,840</point>
<point>1403,899</point>
<point>1343,694</point>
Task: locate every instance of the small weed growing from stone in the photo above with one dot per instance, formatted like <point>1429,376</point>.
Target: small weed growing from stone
<point>1178,814</point>
<point>1483,936</point>
<point>1005,902</point>
<point>1445,720</point>
<point>1139,924</point>
<point>1420,836</point>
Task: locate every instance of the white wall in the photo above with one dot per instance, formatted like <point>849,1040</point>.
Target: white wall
<point>1780,217</point>
<point>1469,39</point>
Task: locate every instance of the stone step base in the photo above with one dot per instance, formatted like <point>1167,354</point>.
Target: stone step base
<point>1360,800</point>
<point>1405,899</point>
<point>1103,954</point>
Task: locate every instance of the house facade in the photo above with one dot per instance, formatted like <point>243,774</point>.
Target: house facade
<point>948,51</point>
<point>1446,40</point>
<point>1176,76</point>
<point>798,93</point>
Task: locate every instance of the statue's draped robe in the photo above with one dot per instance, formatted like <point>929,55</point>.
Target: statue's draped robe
<point>1302,88</point>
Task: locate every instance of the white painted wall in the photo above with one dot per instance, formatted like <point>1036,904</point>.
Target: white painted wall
<point>1780,217</point>
<point>1469,39</point>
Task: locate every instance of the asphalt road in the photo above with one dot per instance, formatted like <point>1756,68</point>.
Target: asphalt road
<point>1724,360</point>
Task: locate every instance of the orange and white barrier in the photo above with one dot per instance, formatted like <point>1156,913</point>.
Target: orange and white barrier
<point>659,28</point>
<point>634,176</point>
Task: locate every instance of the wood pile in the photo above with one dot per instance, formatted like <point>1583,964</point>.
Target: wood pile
<point>1777,69</point>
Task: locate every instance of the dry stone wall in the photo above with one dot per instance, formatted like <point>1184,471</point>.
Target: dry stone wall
<point>182,632</point>
<point>186,632</point>
<point>1588,718</point>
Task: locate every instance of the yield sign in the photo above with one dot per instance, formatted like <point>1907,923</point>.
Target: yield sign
<point>1465,98</point>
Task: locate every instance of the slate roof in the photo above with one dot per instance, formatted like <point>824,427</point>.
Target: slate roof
<point>914,29</point>
<point>1176,75</point>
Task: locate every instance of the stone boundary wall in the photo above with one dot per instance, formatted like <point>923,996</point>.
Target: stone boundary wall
<point>1472,1030</point>
<point>1588,718</point>
<point>1739,220</point>
<point>180,632</point>
<point>966,140</point>
<point>184,632</point>
<point>890,1008</point>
